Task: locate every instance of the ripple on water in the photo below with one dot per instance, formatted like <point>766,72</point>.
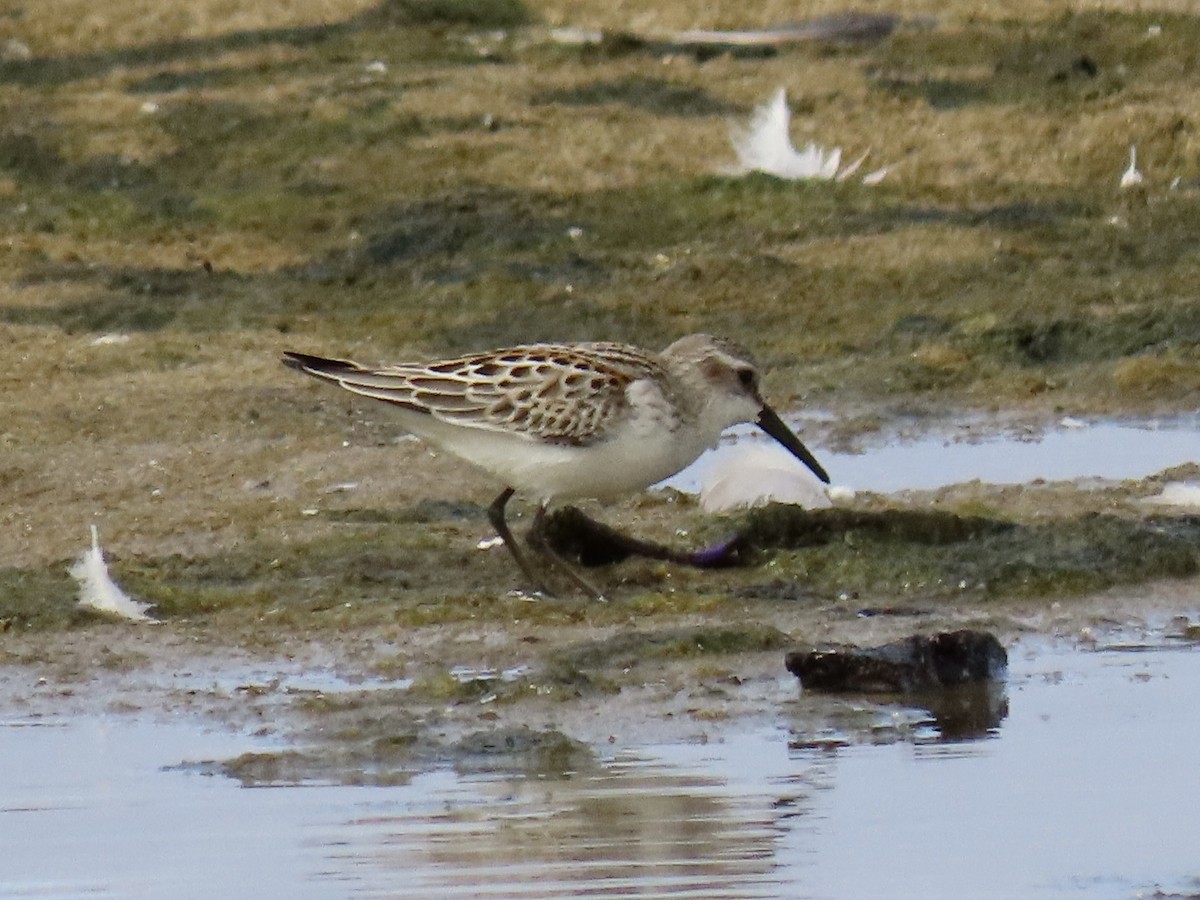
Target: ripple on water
<point>1086,787</point>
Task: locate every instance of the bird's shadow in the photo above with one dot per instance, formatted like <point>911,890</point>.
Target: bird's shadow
<point>576,536</point>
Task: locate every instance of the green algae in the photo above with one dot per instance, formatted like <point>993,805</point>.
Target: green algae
<point>940,553</point>
<point>41,598</point>
<point>628,649</point>
<point>395,758</point>
<point>1079,58</point>
<point>655,95</point>
<point>396,574</point>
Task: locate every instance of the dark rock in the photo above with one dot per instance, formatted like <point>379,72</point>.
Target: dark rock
<point>915,664</point>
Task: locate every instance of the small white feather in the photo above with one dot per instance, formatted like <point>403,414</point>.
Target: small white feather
<point>111,338</point>
<point>1131,176</point>
<point>98,591</point>
<point>849,170</point>
<point>873,178</point>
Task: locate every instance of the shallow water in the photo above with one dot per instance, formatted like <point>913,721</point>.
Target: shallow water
<point>948,454</point>
<point>1087,787</point>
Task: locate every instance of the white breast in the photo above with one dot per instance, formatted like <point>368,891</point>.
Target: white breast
<point>648,445</point>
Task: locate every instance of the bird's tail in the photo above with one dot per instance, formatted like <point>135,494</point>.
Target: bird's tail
<point>319,366</point>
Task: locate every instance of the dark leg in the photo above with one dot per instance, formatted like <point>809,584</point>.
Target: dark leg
<point>496,517</point>
<point>537,540</point>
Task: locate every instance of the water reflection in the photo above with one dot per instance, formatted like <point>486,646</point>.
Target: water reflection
<point>1085,786</point>
<point>1079,794</point>
<point>968,712</point>
<point>959,714</point>
<point>637,828</point>
<point>909,802</point>
<point>963,451</point>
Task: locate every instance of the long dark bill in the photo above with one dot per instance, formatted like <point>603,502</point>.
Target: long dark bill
<point>769,422</point>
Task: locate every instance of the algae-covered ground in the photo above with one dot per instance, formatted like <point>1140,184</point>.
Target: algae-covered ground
<point>186,189</point>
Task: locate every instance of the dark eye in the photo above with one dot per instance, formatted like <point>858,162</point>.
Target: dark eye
<point>746,378</point>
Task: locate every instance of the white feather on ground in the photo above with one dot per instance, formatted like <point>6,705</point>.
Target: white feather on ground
<point>1132,176</point>
<point>98,591</point>
<point>766,146</point>
<point>757,474</point>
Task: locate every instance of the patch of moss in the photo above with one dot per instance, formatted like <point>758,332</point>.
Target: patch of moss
<point>1157,376</point>
<point>97,196</point>
<point>219,140</point>
<point>522,749</point>
<point>937,553</point>
<point>482,224</point>
<point>392,759</point>
<point>779,525</point>
<point>470,13</point>
<point>445,688</point>
<point>561,680</point>
<point>1089,340</point>
<point>364,576</point>
<point>423,513</point>
<point>1078,58</point>
<point>39,599</point>
<point>626,650</point>
<point>390,23</point>
<point>131,299</point>
<point>377,765</point>
<point>654,95</point>
<point>666,213</point>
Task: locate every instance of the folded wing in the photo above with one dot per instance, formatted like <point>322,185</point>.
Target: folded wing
<point>545,392</point>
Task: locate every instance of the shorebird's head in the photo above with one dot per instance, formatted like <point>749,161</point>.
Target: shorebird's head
<point>725,379</point>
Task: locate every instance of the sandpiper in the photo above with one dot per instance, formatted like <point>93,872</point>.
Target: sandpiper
<point>571,420</point>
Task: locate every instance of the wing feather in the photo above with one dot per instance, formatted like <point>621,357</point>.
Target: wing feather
<point>560,393</point>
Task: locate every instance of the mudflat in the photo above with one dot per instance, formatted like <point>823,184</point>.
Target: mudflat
<point>186,190</point>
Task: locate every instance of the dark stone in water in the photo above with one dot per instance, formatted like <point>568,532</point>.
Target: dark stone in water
<point>915,664</point>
